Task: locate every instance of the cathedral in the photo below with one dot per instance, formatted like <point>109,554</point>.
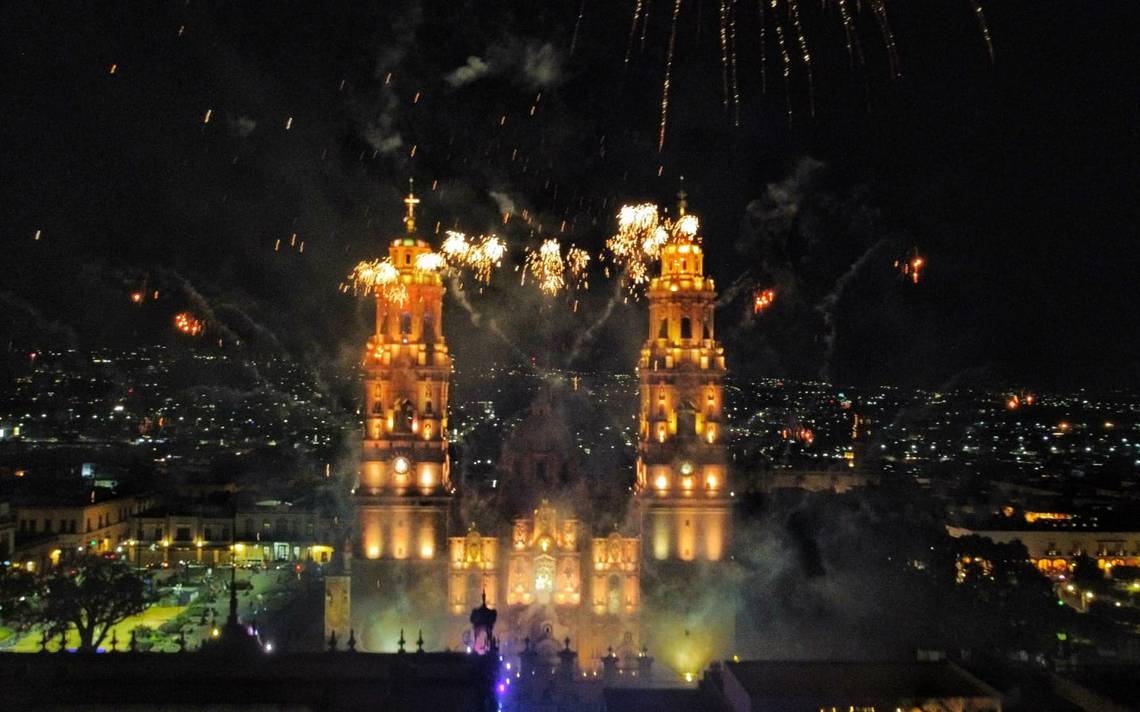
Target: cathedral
<point>414,567</point>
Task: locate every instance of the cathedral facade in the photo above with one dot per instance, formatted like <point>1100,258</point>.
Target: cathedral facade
<point>412,567</point>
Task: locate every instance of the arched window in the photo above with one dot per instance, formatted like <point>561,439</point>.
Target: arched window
<point>405,413</point>
<point>406,323</point>
<point>429,328</point>
<point>686,420</point>
<point>663,329</point>
<point>686,328</point>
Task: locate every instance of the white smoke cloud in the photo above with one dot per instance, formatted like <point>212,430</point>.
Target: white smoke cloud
<point>377,136</point>
<point>504,201</point>
<point>538,65</point>
<point>242,126</point>
<point>467,73</point>
<point>542,65</point>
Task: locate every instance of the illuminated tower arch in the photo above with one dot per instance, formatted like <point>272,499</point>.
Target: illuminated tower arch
<point>682,476</point>
<point>403,494</point>
<point>407,367</point>
<point>683,483</point>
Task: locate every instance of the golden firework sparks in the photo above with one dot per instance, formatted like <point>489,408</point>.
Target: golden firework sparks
<point>792,42</point>
<point>480,257</point>
<point>430,262</point>
<point>379,277</point>
<point>545,265</point>
<point>577,260</point>
<point>640,236</point>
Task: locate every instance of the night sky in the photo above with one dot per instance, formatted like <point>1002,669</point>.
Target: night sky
<point>1016,179</point>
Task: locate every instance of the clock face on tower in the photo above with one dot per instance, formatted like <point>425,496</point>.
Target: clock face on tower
<point>401,465</point>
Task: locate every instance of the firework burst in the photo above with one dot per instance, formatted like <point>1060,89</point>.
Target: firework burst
<point>577,261</point>
<point>546,267</point>
<point>553,271</point>
<point>763,299</point>
<point>480,256</point>
<point>188,324</point>
<point>911,265</point>
<point>379,277</point>
<point>641,234</point>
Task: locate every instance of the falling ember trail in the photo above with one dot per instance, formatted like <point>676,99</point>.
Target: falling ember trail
<point>668,76</point>
<point>911,265</point>
<point>632,30</point>
<point>805,54</point>
<point>984,26</point>
<point>577,26</point>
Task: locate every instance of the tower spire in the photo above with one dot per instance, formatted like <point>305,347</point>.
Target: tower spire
<point>411,201</point>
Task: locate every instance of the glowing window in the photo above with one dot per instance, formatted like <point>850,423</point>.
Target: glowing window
<point>613,595</point>
<point>544,578</point>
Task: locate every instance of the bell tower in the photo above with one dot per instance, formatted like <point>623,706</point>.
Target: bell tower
<point>682,477</point>
<point>407,367</point>
<point>683,483</point>
<point>402,498</point>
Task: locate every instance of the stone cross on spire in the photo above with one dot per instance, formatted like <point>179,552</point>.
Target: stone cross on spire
<point>411,201</point>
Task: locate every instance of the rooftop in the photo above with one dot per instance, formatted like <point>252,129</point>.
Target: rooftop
<point>855,683</point>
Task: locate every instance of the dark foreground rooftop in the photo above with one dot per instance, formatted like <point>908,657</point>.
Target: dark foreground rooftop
<point>297,682</point>
<point>812,685</point>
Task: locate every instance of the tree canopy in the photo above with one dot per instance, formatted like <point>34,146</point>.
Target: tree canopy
<point>88,593</point>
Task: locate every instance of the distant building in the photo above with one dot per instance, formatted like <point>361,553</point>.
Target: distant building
<point>1054,540</point>
<point>7,531</point>
<point>265,533</point>
<point>98,521</point>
